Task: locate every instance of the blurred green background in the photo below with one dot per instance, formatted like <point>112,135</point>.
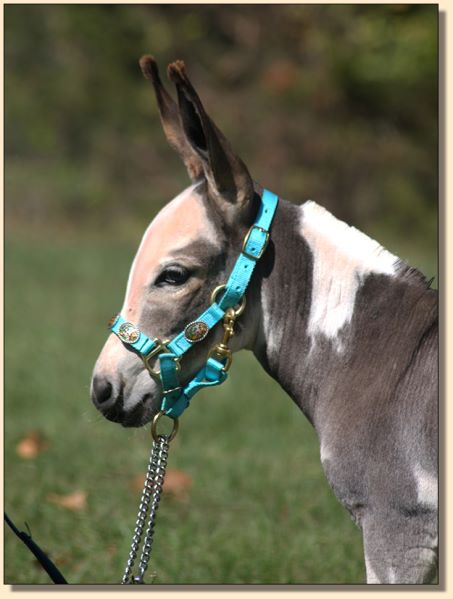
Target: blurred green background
<point>333,103</point>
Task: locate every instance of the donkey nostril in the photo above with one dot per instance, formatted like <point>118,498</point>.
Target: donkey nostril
<point>102,389</point>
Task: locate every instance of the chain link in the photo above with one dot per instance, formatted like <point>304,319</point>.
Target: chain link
<point>152,490</point>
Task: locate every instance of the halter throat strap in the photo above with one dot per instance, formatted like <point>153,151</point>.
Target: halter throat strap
<point>224,303</point>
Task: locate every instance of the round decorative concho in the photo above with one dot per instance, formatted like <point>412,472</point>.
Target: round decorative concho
<point>128,332</point>
<point>196,331</point>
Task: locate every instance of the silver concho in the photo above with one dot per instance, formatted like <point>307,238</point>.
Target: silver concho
<point>196,331</point>
<point>128,333</point>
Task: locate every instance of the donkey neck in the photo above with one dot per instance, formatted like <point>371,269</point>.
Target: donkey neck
<point>311,276</point>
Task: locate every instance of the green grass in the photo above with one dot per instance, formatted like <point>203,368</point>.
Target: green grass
<point>259,510</point>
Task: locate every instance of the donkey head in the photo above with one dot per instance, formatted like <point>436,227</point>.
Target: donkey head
<point>187,250</point>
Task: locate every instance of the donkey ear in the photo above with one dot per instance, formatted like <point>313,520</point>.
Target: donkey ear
<point>171,120</point>
<point>229,181</point>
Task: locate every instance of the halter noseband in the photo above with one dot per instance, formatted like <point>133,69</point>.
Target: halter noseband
<point>230,305</point>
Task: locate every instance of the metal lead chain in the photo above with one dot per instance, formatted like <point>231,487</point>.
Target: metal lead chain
<point>152,490</point>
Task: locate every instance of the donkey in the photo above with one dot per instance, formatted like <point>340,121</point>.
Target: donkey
<point>346,328</point>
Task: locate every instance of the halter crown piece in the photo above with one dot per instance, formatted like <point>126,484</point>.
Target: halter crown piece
<point>176,398</point>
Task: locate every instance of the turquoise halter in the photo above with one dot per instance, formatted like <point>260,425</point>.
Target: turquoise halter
<point>175,397</point>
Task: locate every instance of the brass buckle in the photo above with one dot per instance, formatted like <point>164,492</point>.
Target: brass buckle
<point>247,237</point>
<point>161,347</point>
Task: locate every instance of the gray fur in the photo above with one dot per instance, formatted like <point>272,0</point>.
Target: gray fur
<point>373,404</point>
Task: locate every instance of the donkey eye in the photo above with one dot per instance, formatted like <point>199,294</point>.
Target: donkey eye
<point>173,275</point>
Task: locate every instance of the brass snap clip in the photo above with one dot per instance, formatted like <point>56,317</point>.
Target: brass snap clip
<point>221,351</point>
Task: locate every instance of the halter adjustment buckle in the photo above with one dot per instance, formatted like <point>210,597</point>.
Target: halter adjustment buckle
<point>161,347</point>
<point>263,247</point>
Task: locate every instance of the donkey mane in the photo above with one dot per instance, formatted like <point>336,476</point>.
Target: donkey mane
<point>412,275</point>
<point>347,329</point>
<point>369,250</point>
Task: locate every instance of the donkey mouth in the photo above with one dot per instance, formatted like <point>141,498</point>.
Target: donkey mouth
<point>137,416</point>
<point>131,405</point>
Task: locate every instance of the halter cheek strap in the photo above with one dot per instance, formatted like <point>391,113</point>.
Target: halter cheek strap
<point>227,307</point>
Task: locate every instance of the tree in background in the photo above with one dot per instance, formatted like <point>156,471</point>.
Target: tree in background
<point>335,103</point>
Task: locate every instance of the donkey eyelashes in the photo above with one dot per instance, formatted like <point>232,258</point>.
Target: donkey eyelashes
<point>174,275</point>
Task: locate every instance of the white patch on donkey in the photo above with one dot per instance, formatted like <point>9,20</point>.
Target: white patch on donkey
<point>274,335</point>
<point>426,487</point>
<point>342,257</point>
<point>179,223</point>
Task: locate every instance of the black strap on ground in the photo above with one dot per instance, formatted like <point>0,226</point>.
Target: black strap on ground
<point>48,565</point>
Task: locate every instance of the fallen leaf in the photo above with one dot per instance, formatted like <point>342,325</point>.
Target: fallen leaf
<point>74,501</point>
<point>137,482</point>
<point>31,445</point>
<point>177,483</point>
<point>63,559</point>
